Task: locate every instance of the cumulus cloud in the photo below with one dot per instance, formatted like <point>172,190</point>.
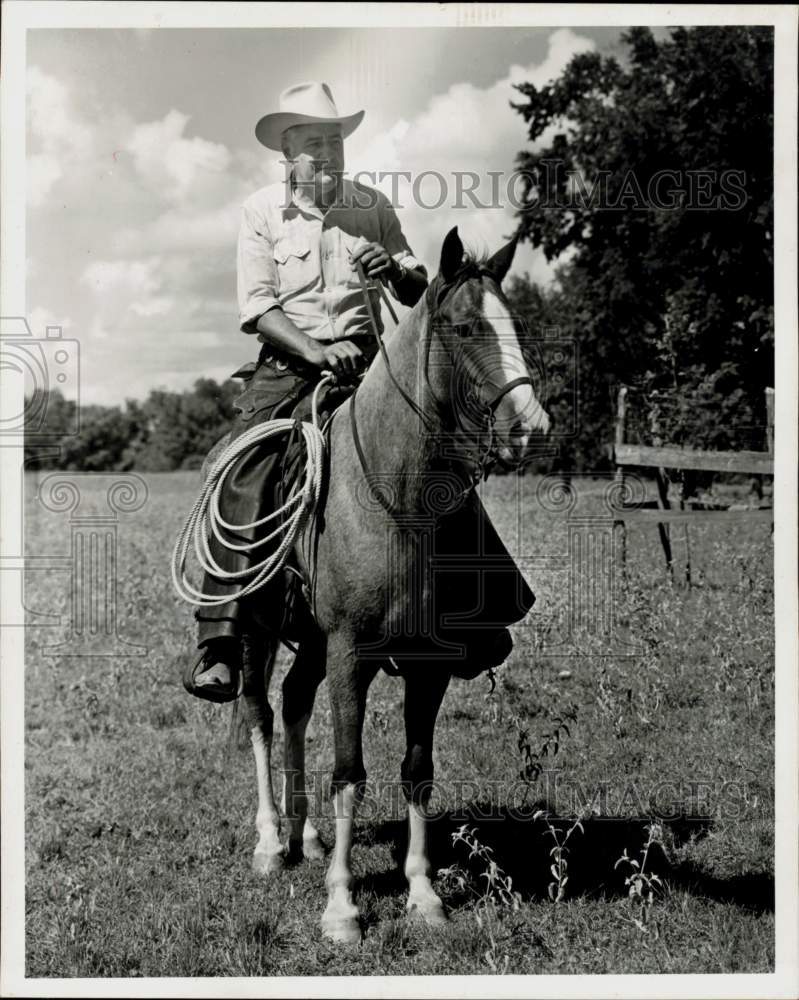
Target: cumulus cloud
<point>156,305</point>
<point>42,173</point>
<point>51,115</point>
<point>172,163</point>
<point>40,318</point>
<point>118,277</point>
<point>467,128</point>
<point>58,133</point>
<point>150,296</point>
<point>181,231</point>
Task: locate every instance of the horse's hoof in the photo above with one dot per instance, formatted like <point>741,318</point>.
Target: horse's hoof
<point>340,919</point>
<point>268,864</point>
<point>342,930</point>
<point>313,849</point>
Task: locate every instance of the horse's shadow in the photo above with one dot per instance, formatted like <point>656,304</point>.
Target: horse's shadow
<point>521,847</point>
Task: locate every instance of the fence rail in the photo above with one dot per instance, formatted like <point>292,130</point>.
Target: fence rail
<point>669,456</point>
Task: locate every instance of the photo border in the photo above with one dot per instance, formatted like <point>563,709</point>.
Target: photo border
<point>20,17</point>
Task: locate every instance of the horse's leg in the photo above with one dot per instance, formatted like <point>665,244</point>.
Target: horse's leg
<point>424,692</point>
<point>258,663</point>
<point>299,690</point>
<point>348,683</point>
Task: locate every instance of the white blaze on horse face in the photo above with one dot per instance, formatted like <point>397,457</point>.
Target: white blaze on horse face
<point>518,414</point>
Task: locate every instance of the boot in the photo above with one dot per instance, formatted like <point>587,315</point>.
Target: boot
<point>217,674</point>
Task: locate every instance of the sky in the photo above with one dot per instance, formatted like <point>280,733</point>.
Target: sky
<point>141,149</point>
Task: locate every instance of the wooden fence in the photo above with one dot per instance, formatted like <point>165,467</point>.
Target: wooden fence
<point>665,456</point>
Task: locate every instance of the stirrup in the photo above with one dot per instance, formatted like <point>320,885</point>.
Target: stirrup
<point>220,694</point>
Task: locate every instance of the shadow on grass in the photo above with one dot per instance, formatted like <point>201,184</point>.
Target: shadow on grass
<point>522,845</point>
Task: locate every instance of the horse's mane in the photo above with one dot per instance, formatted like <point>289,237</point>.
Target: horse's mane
<point>474,259</point>
<point>473,265</point>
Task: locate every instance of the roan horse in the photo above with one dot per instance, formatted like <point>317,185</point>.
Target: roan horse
<point>402,409</point>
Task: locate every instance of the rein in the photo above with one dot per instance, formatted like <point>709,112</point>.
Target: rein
<point>489,456</point>
<point>381,346</point>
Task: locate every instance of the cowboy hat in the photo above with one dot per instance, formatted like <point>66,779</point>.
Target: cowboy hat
<point>303,104</point>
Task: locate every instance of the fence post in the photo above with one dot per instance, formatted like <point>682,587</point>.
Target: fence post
<point>621,432</point>
<point>663,489</point>
<point>770,420</point>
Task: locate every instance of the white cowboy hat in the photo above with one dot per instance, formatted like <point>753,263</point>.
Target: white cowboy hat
<point>303,104</point>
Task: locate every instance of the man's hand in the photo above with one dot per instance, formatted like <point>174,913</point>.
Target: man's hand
<point>376,260</point>
<point>342,357</point>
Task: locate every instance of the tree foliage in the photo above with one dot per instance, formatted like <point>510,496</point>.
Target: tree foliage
<point>170,430</point>
<point>650,181</point>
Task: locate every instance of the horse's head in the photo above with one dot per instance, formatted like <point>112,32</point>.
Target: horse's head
<point>488,376</point>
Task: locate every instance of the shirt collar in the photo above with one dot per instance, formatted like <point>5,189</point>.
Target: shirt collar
<point>305,204</point>
<point>308,207</point>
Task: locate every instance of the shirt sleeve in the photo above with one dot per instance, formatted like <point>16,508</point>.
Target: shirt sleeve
<point>256,271</point>
<point>393,238</point>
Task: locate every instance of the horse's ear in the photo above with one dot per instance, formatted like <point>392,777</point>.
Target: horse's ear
<point>500,263</point>
<point>451,256</point>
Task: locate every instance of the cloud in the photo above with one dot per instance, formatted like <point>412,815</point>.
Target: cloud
<point>58,133</point>
<point>42,173</point>
<point>467,128</point>
<point>118,277</point>
<point>156,305</point>
<point>39,319</point>
<point>148,298</point>
<point>173,164</point>
<point>51,117</point>
<point>172,362</point>
<point>178,230</point>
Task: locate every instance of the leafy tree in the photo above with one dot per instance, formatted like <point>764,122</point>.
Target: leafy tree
<point>168,431</point>
<point>653,178</point>
<point>48,418</point>
<point>105,437</point>
<point>182,427</point>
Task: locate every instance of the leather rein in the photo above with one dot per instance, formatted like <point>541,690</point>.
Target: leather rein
<point>489,456</point>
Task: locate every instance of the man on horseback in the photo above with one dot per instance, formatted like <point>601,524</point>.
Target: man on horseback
<point>299,293</point>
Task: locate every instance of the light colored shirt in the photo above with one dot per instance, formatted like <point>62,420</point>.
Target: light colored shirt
<point>296,257</point>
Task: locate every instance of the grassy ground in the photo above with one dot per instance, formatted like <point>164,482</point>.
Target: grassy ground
<point>140,818</point>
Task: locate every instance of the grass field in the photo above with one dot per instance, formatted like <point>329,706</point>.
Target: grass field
<point>140,818</point>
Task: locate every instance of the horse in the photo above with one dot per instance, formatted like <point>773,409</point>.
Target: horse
<point>385,449</point>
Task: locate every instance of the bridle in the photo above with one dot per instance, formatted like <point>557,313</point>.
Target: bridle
<point>436,295</point>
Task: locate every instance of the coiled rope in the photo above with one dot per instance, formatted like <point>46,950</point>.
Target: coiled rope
<point>205,518</point>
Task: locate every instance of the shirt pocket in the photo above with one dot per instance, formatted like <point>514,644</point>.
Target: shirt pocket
<point>294,265</point>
